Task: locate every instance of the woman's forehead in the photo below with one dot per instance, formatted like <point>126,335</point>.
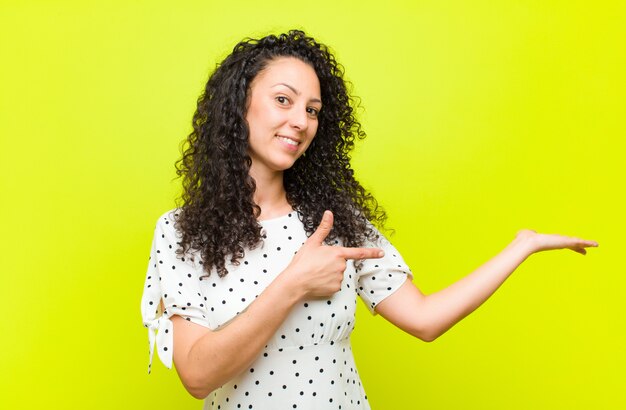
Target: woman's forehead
<point>291,72</point>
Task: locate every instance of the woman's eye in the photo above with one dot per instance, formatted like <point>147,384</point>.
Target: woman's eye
<point>282,99</point>
<point>313,111</point>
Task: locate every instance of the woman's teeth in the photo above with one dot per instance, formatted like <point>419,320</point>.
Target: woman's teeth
<point>289,141</point>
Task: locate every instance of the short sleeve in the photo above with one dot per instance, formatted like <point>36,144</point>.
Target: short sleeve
<point>175,281</point>
<point>379,278</point>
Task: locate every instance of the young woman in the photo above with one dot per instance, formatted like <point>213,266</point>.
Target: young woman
<point>252,282</point>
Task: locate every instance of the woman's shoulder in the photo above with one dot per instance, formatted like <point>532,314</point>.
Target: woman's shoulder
<point>169,216</point>
<point>165,226</point>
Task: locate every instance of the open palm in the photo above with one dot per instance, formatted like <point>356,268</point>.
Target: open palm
<point>544,242</point>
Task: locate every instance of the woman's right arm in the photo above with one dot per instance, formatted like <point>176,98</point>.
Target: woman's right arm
<point>206,359</point>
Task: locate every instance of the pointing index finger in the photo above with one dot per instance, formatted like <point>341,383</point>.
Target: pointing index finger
<point>361,253</point>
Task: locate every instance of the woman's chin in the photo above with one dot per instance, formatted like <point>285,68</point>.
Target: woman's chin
<point>274,166</point>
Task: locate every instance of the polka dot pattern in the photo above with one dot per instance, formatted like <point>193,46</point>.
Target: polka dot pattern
<point>308,363</point>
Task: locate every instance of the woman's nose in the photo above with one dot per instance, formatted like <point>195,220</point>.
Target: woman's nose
<point>298,119</point>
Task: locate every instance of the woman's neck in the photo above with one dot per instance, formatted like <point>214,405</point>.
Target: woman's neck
<point>270,194</point>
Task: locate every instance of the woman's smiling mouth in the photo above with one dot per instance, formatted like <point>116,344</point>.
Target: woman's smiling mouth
<point>290,142</point>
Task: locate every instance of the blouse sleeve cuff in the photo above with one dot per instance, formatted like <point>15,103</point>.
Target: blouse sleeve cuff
<point>392,285</point>
<point>160,333</point>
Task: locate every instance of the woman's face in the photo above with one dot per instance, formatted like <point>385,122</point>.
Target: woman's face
<point>283,105</point>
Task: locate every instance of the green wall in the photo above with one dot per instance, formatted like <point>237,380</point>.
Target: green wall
<point>483,118</point>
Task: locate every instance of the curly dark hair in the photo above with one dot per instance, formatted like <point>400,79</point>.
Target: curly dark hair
<point>218,216</point>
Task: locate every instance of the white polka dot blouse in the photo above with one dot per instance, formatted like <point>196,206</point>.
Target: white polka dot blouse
<point>308,363</point>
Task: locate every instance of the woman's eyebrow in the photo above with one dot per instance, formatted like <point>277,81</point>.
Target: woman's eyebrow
<point>296,91</point>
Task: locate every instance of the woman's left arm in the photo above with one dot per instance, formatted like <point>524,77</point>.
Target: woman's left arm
<point>429,316</point>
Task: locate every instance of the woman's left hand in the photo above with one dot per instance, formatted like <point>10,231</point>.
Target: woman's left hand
<point>543,242</point>
<point>429,316</point>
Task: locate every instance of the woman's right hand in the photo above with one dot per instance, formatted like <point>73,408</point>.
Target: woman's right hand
<point>317,269</point>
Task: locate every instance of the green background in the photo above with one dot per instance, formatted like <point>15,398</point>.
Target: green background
<point>483,118</point>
